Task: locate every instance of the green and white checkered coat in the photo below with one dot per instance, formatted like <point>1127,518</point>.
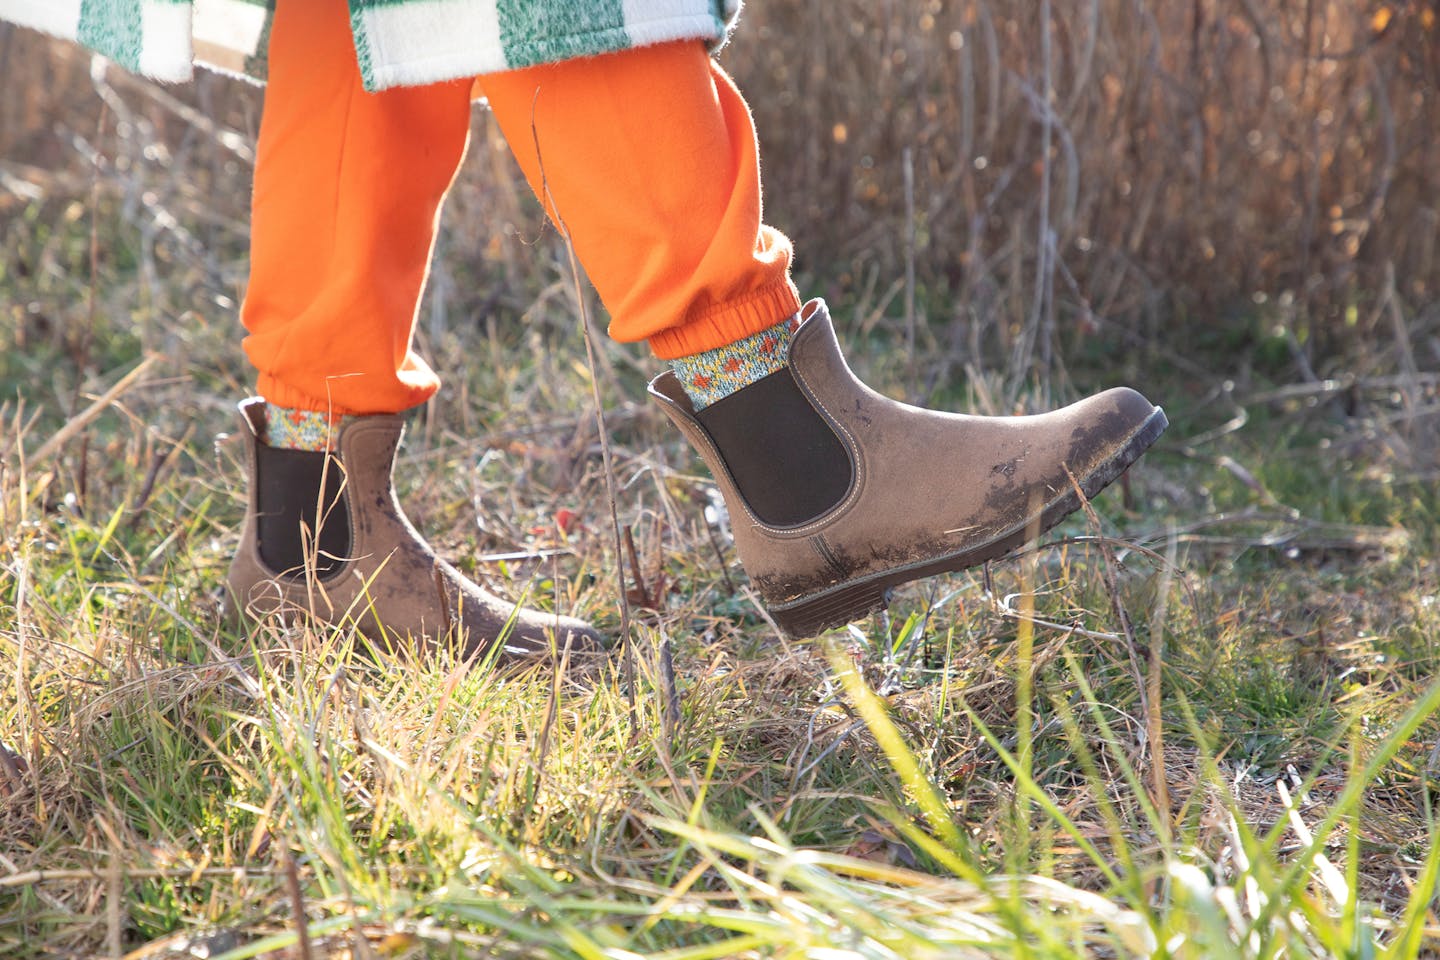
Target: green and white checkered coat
<point>398,42</point>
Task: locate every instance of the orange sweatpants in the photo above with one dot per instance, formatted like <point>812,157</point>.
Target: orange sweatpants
<point>649,160</point>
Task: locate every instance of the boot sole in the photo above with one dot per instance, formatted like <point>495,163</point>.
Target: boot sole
<point>853,599</point>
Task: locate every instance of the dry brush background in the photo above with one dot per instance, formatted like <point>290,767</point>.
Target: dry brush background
<point>1152,171</point>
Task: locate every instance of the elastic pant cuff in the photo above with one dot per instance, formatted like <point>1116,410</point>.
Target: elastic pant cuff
<point>280,394</point>
<point>730,322</point>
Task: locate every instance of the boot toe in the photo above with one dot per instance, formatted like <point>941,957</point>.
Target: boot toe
<point>1129,406</point>
<point>534,634</point>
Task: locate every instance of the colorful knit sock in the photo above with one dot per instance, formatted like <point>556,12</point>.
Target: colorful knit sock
<point>314,430</point>
<point>715,374</point>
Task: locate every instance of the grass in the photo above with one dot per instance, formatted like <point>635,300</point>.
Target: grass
<point>1197,722</point>
<point>956,779</point>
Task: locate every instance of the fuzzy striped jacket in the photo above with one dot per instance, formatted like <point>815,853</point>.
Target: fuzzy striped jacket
<point>398,42</point>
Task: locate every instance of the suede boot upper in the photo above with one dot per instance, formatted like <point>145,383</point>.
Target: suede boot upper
<point>913,491</point>
<point>388,581</point>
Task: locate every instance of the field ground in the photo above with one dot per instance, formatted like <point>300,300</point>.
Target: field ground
<point>1201,720</point>
<point>1249,716</point>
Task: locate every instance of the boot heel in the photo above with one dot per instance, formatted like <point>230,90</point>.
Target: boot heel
<point>806,618</point>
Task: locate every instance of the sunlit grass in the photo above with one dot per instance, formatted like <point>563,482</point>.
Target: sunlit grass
<point>869,794</point>
<point>996,769</point>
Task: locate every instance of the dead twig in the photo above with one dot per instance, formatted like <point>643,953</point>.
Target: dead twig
<point>297,907</point>
<point>158,462</point>
<point>641,595</point>
<point>1147,682</point>
<point>1004,606</point>
<point>607,458</point>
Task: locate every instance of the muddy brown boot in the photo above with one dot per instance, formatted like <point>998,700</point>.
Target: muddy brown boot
<point>367,565</point>
<point>837,494</point>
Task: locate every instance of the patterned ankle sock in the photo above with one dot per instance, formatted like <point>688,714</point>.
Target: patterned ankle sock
<point>315,430</point>
<point>715,374</point>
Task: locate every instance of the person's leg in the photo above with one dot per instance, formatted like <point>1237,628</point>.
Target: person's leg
<point>348,187</point>
<point>837,494</point>
<point>649,160</point>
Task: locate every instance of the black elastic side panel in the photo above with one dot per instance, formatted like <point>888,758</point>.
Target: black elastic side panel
<point>785,459</point>
<point>288,482</point>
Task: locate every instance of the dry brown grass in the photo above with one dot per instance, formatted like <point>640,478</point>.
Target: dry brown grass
<point>1193,155</point>
<point>1187,159</point>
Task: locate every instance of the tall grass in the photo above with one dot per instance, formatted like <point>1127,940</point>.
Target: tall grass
<point>198,791</point>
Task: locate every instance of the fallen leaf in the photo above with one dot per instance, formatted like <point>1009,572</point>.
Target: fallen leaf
<point>13,769</point>
<point>881,847</point>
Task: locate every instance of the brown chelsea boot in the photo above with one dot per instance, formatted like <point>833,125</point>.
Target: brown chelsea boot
<point>368,565</point>
<point>837,494</point>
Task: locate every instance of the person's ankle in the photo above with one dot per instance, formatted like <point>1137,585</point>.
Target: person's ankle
<point>299,484</point>
<point>291,429</point>
<point>715,374</point>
